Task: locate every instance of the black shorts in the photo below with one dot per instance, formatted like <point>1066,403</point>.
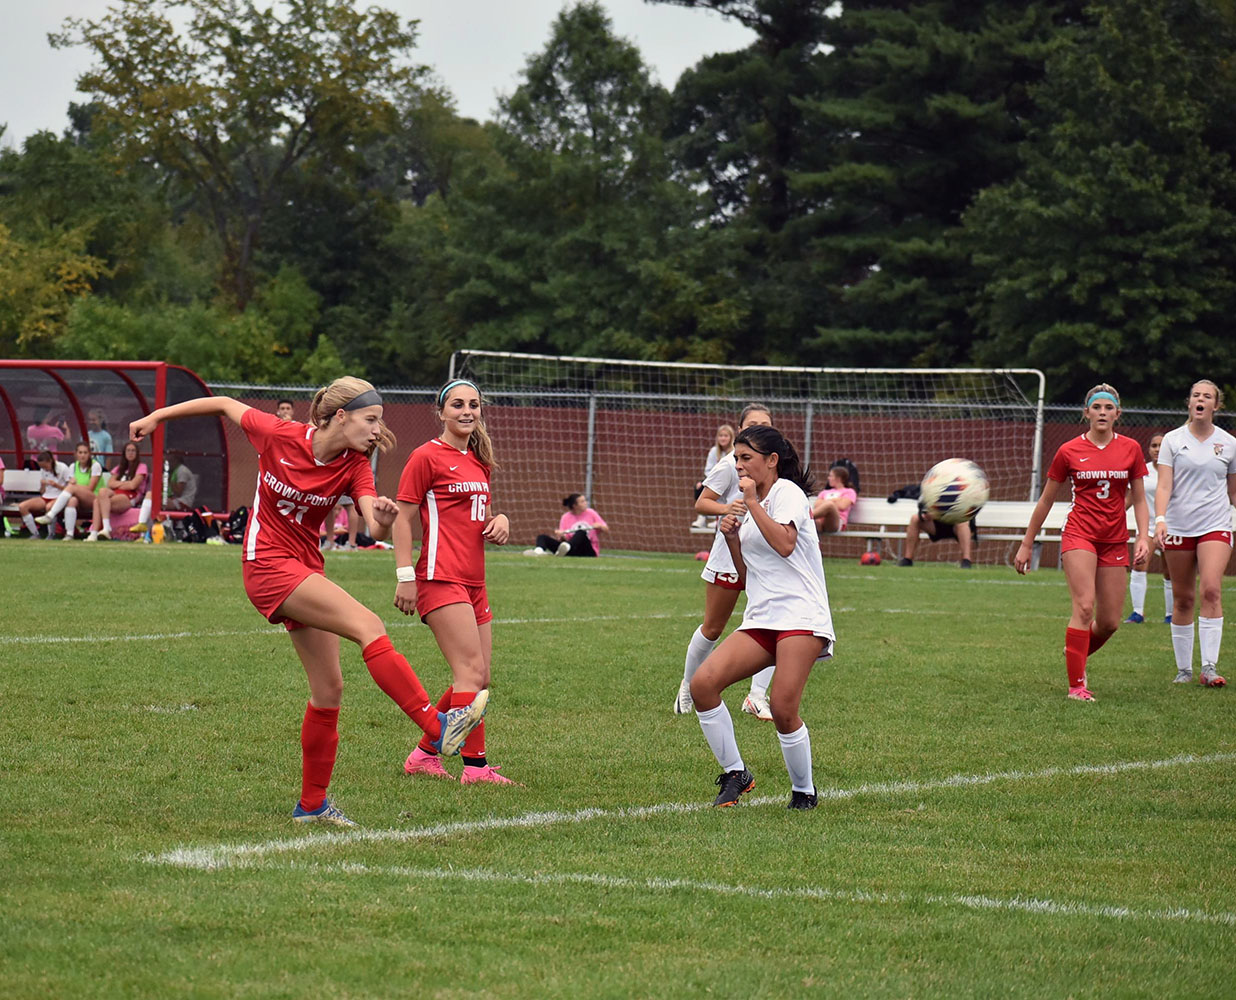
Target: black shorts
<point>941,532</point>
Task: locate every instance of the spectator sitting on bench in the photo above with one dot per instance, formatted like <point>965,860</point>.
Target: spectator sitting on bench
<point>126,487</point>
<point>179,490</point>
<point>965,533</point>
<point>831,508</point>
<point>85,479</point>
<point>53,477</point>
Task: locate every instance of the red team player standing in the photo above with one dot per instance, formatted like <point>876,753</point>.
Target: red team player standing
<point>303,469</point>
<point>1094,545</point>
<point>446,481</point>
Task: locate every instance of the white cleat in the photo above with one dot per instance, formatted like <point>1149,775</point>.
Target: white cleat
<point>683,705</point>
<point>757,705</point>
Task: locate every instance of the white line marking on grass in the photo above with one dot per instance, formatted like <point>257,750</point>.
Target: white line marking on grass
<point>37,640</point>
<point>226,855</point>
<point>1018,904</point>
<point>171,709</point>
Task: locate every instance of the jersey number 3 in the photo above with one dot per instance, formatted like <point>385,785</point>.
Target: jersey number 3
<point>478,507</point>
<point>1105,488</point>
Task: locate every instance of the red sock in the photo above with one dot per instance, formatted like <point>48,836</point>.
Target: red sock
<point>443,705</point>
<point>474,745</point>
<point>1076,649</point>
<point>395,676</point>
<point>1095,641</point>
<point>319,739</point>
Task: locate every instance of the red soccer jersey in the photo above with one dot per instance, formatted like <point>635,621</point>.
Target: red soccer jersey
<point>295,491</point>
<point>452,489</point>
<point>1101,478</point>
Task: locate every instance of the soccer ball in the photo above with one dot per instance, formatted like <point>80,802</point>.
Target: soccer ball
<point>954,490</point>
<point>870,559</point>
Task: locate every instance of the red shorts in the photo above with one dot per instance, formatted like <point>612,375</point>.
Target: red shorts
<point>1109,553</point>
<point>769,637</point>
<point>1189,543</point>
<point>434,594</point>
<point>729,581</point>
<point>269,582</point>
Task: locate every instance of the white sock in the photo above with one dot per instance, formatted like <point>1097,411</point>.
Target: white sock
<point>1209,636</point>
<point>697,652</point>
<point>107,524</point>
<point>1167,597</point>
<point>1182,646</point>
<point>1137,590</point>
<point>760,682</point>
<point>62,501</point>
<point>719,732</point>
<point>796,749</point>
<point>143,516</point>
<point>70,520</point>
<point>28,521</point>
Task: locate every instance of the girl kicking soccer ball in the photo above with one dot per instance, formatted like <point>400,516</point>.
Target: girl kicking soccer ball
<point>1094,546</point>
<point>776,551</point>
<point>303,469</point>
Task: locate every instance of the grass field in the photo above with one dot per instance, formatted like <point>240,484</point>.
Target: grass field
<point>978,835</point>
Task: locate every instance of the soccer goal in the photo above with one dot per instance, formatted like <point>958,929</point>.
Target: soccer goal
<point>634,435</point>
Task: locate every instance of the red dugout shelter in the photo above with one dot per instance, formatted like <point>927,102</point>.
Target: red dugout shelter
<point>37,393</point>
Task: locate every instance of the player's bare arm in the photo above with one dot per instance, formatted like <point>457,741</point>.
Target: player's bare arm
<point>207,406</point>
<point>709,503</point>
<point>1021,561</point>
<point>379,514</point>
<point>1141,549</point>
<point>405,589</point>
<point>1162,496</point>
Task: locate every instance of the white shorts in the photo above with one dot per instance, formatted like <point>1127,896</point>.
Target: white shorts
<point>345,501</point>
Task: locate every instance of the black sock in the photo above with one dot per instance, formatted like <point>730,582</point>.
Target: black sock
<point>474,761</point>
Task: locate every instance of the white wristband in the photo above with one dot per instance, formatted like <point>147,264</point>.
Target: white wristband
<point>405,574</point>
<point>1160,519</point>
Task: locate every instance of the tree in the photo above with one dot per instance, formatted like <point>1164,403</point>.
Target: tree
<point>1108,256</point>
<point>926,103</point>
<point>229,108</point>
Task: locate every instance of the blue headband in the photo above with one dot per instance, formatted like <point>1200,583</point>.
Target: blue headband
<point>1104,394</point>
<point>451,385</point>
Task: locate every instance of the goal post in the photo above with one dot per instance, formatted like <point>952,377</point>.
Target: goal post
<point>633,435</point>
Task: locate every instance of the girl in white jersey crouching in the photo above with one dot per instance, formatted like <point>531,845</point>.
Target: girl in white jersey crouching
<point>776,552</point>
<point>1193,527</point>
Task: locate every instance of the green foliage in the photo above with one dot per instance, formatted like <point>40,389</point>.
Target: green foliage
<point>229,106</point>
<point>1110,253</point>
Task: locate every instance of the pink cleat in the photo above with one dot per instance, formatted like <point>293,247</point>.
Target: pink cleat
<point>484,775</point>
<point>1080,694</point>
<point>427,764</point>
<point>1209,678</point>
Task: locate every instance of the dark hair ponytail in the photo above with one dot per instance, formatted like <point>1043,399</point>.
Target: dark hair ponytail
<point>569,502</point>
<point>770,441</point>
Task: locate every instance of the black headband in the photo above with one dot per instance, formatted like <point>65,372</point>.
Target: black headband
<point>370,397</point>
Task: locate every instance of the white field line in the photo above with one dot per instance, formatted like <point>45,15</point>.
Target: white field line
<point>227,855</point>
<point>1017,904</point>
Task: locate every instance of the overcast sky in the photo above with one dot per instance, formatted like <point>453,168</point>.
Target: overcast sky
<point>477,47</point>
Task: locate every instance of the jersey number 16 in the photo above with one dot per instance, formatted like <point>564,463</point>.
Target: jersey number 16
<point>478,507</point>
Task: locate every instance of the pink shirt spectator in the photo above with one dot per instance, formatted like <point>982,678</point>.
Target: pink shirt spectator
<point>135,496</point>
<point>569,522</point>
<point>845,493</point>
<point>44,437</point>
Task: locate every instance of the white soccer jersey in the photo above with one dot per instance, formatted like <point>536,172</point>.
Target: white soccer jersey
<point>1151,482</point>
<point>1199,501</point>
<point>786,592</point>
<point>723,481</point>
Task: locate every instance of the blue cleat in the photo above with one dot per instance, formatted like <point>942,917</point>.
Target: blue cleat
<point>1167,620</point>
<point>327,813</point>
<point>458,723</point>
<point>1134,619</point>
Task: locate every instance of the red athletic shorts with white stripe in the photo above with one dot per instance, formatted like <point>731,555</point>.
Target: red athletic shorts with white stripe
<point>270,581</point>
<point>1189,543</point>
<point>769,637</point>
<point>434,594</point>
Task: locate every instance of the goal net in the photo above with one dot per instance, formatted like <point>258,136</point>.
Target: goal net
<point>633,436</point>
